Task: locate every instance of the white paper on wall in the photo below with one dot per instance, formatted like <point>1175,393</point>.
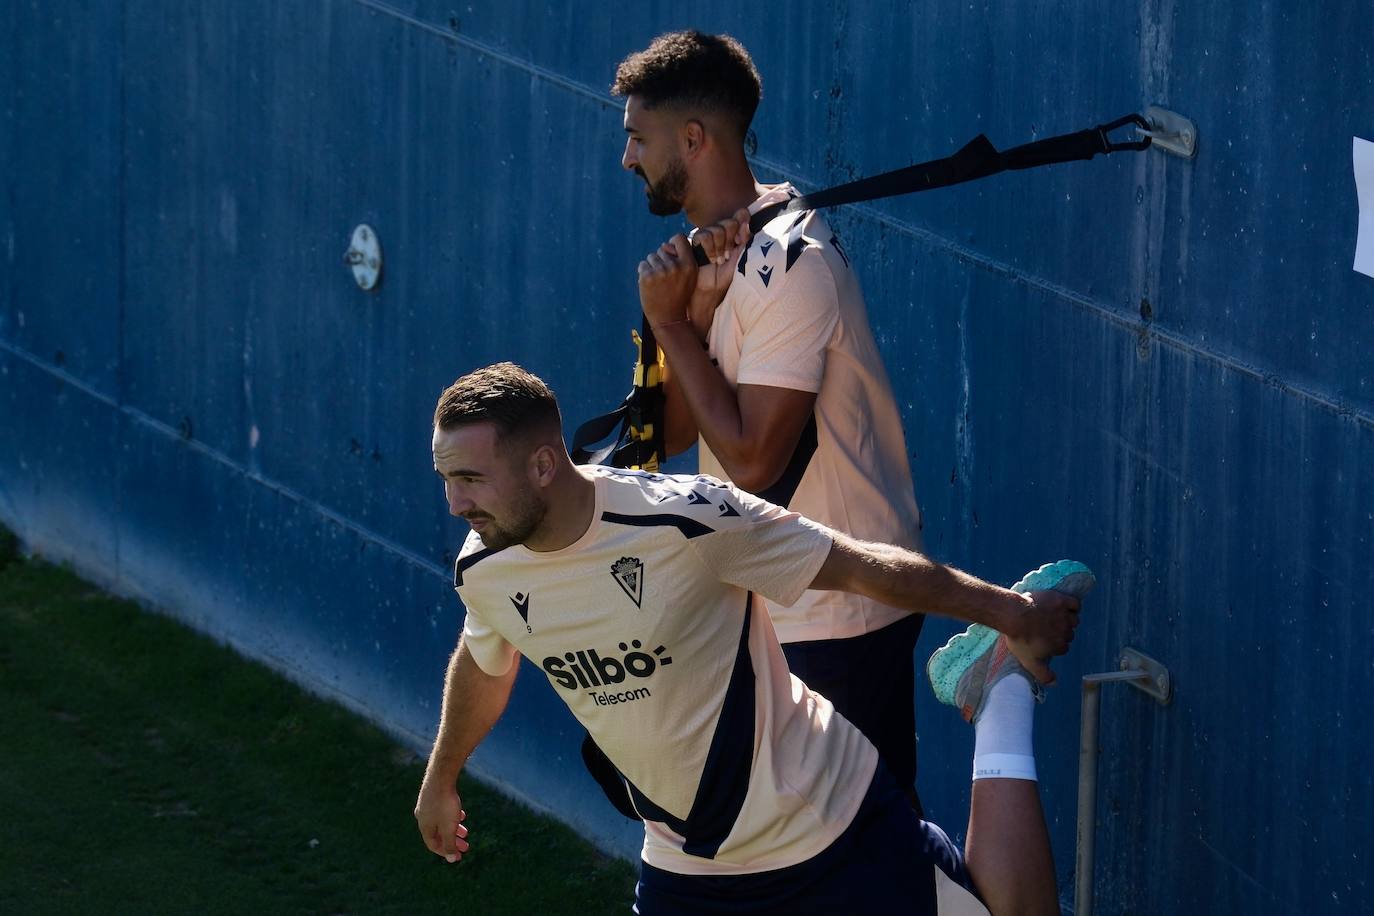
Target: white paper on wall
<point>1364,189</point>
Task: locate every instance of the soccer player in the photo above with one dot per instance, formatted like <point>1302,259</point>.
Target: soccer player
<point>772,366</point>
<point>635,594</point>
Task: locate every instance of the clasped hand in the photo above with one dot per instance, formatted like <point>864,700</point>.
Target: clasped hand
<point>671,287</point>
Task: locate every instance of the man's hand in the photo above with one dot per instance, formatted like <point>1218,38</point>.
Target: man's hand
<point>667,277</point>
<point>1043,630</point>
<point>722,243</point>
<point>440,815</point>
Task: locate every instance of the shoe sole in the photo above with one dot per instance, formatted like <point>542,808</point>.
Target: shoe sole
<point>1068,576</point>
<point>948,663</point>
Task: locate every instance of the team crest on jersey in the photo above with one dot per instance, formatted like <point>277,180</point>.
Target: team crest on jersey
<point>628,572</point>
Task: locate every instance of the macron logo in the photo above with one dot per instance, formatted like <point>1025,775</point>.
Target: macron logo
<point>522,606</point>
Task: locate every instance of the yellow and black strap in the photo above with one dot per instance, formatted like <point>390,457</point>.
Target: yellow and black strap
<point>638,444</point>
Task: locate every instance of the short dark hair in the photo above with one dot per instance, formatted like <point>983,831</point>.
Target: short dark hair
<point>515,400</point>
<point>691,68</point>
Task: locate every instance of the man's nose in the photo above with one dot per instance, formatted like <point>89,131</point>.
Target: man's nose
<point>627,159</point>
<point>457,502</point>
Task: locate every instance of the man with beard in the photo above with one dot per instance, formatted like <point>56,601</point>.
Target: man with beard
<point>635,594</point>
<point>772,366</point>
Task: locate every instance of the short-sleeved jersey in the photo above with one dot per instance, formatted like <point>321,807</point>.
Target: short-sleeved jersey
<point>648,628</point>
<point>794,317</point>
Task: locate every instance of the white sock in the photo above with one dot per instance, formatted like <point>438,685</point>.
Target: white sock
<point>1002,738</point>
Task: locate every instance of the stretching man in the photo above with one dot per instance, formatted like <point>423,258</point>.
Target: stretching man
<point>635,594</point>
<point>773,367</point>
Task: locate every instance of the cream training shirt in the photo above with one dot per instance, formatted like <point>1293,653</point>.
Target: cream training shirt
<point>794,317</point>
<point>649,628</point>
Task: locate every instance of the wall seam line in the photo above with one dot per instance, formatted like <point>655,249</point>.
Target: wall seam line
<point>932,241</point>
<point>221,458</point>
<point>121,277</point>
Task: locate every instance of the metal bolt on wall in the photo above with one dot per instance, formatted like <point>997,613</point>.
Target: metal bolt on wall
<point>364,255</point>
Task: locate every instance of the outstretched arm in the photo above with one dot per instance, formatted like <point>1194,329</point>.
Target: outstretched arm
<point>473,701</point>
<point>1037,625</point>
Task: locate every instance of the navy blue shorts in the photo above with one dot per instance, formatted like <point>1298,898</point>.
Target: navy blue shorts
<point>884,862</point>
<point>871,681</point>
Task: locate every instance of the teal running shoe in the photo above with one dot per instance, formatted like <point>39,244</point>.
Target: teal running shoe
<point>965,668</point>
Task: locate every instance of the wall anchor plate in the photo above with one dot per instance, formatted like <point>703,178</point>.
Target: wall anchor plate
<point>364,255</point>
<point>1170,132</point>
<point>1154,678</point>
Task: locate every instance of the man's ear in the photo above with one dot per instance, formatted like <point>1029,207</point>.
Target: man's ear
<point>693,137</point>
<point>542,465</point>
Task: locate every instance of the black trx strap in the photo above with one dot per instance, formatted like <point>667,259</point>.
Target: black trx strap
<point>639,443</point>
<point>978,159</point>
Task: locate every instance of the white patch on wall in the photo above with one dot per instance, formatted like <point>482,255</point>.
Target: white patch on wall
<point>1363,155</point>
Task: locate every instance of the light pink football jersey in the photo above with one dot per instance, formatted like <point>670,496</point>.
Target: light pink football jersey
<point>648,628</point>
<point>794,317</point>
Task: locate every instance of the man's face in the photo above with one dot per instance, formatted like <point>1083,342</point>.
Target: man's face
<point>651,152</point>
<point>486,485</point>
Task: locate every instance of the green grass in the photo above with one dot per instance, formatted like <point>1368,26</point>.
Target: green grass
<point>147,769</point>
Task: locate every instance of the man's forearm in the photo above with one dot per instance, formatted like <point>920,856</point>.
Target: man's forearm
<point>703,391</point>
<point>473,701</point>
<point>679,428</point>
<point>905,579</point>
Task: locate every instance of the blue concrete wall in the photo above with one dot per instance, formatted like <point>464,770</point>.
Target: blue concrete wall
<point>1157,366</point>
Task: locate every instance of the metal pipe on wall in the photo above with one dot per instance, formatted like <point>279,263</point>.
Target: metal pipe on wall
<point>1087,799</point>
<point>1146,674</point>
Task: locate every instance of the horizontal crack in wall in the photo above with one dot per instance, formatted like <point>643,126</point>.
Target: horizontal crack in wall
<point>933,241</point>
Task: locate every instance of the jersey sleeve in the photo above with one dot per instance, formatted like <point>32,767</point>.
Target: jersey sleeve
<point>489,648</point>
<point>765,549</point>
<point>785,343</point>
